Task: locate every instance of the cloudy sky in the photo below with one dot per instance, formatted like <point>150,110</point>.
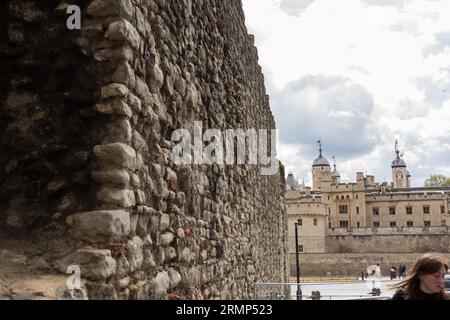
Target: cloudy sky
<point>358,74</point>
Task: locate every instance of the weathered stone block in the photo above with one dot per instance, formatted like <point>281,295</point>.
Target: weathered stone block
<point>112,177</point>
<point>156,78</point>
<point>104,8</point>
<point>115,90</point>
<point>101,291</point>
<point>115,106</point>
<point>159,286</point>
<point>123,31</point>
<point>174,278</point>
<point>101,225</point>
<point>166,239</point>
<point>119,197</point>
<point>140,197</point>
<point>94,264</point>
<point>164,222</point>
<point>118,154</point>
<point>135,253</point>
<point>118,130</point>
<point>124,74</point>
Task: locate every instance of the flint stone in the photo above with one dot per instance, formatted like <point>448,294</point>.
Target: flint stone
<point>135,254</point>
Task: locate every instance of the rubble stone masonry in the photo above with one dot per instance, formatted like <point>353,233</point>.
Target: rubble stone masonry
<point>86,118</point>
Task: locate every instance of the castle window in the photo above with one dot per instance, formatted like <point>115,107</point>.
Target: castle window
<point>342,197</point>
<point>393,223</point>
<point>337,197</point>
<point>442,209</point>
<point>315,222</point>
<point>328,197</point>
<point>300,248</point>
<point>409,224</point>
<point>409,210</point>
<point>300,222</point>
<point>329,224</point>
<point>375,211</point>
<point>356,197</point>
<point>426,210</point>
<point>391,210</point>
<point>343,209</point>
<point>357,210</point>
<point>376,224</point>
<point>426,223</point>
<point>329,210</point>
<point>358,224</point>
<point>343,224</point>
<point>443,222</point>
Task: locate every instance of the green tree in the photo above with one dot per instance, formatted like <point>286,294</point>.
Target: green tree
<point>437,180</point>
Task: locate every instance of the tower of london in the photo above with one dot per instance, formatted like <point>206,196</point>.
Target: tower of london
<point>365,216</point>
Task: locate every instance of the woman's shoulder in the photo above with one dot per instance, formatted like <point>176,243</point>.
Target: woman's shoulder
<point>399,295</point>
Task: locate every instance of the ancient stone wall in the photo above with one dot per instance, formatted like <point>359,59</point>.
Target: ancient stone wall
<point>86,122</point>
<point>351,264</point>
<point>406,240</point>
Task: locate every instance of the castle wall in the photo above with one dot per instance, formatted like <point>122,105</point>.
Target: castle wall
<point>351,264</point>
<point>406,240</point>
<point>86,121</point>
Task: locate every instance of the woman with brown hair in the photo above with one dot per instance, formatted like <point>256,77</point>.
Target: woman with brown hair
<point>426,280</point>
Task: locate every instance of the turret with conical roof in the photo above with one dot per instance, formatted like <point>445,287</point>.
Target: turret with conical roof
<point>321,171</point>
<point>335,176</point>
<point>401,178</point>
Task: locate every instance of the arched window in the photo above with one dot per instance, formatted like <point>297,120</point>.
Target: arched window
<point>342,198</point>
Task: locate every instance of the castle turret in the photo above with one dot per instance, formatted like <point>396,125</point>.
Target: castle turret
<point>400,175</point>
<point>321,171</point>
<point>335,176</point>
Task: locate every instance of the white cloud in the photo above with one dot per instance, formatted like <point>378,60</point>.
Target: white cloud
<point>393,59</point>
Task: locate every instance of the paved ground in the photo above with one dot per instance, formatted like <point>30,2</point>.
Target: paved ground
<point>346,289</point>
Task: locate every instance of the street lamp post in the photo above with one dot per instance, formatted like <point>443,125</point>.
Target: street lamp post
<point>299,290</point>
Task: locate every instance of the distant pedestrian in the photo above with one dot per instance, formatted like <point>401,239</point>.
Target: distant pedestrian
<point>426,280</point>
<point>378,272</point>
<point>402,271</point>
<point>393,273</point>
